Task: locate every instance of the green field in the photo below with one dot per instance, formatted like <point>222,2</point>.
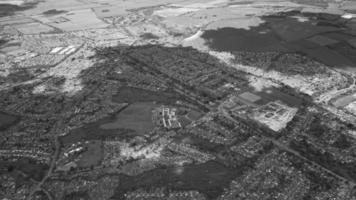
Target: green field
<point>134,120</point>
<point>137,116</point>
<point>93,155</point>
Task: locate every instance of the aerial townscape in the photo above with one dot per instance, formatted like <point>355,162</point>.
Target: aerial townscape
<point>177,100</point>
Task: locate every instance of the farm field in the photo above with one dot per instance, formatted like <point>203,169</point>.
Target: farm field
<point>33,28</point>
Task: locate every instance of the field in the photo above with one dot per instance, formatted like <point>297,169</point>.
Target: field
<point>136,117</point>
<point>292,30</point>
<point>53,12</point>
<point>250,97</point>
<point>194,115</point>
<point>231,39</point>
<point>109,11</point>
<point>322,40</point>
<point>26,166</point>
<point>325,38</point>
<point>344,101</point>
<point>15,20</point>
<point>269,95</point>
<point>329,57</point>
<point>33,28</point>
<point>242,23</point>
<point>7,120</point>
<point>273,94</point>
<point>10,7</point>
<point>209,178</point>
<point>74,20</point>
<point>94,132</point>
<point>274,34</point>
<point>131,121</point>
<point>132,95</point>
<point>12,2</point>
<point>186,117</point>
<point>92,156</point>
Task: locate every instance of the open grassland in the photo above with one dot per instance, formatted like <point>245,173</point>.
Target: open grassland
<point>136,117</point>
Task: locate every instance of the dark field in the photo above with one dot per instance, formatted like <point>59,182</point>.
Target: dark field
<point>93,155</point>
<point>7,120</point>
<point>289,29</point>
<point>324,38</point>
<point>346,50</point>
<point>28,169</point>
<point>93,131</point>
<point>203,144</point>
<point>19,76</point>
<point>240,3</point>
<point>76,196</point>
<point>137,117</point>
<point>328,57</point>
<point>132,95</point>
<point>131,121</point>
<point>313,3</point>
<point>9,9</point>
<point>231,39</point>
<point>148,36</point>
<point>54,12</point>
<point>340,36</point>
<point>272,94</point>
<point>209,178</point>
